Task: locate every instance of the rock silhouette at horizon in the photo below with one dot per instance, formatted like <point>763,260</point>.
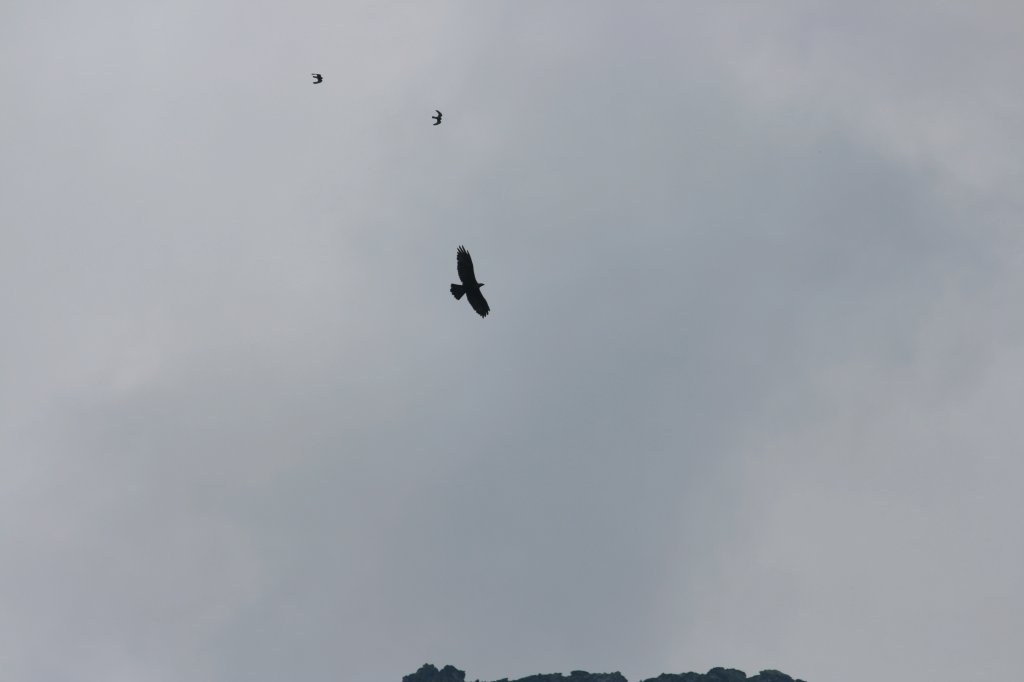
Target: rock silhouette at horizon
<point>429,673</point>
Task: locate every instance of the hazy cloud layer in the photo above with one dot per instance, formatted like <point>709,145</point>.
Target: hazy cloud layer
<point>748,395</point>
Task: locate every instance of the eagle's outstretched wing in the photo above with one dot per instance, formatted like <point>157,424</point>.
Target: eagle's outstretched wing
<point>477,300</point>
<point>465,264</point>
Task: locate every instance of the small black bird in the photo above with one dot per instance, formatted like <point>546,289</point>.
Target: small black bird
<point>318,77</point>
<point>469,285</point>
<point>437,119</point>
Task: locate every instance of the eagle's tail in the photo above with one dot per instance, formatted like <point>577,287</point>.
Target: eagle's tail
<point>457,291</point>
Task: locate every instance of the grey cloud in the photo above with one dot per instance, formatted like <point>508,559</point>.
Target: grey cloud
<point>745,398</point>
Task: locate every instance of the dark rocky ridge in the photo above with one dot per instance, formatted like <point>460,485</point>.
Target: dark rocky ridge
<point>429,673</point>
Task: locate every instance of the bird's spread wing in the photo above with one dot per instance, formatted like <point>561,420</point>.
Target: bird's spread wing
<point>479,303</point>
<point>465,264</point>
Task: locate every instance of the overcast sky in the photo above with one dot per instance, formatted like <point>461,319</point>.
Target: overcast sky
<point>749,395</point>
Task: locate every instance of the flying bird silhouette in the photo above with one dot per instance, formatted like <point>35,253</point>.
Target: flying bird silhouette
<point>318,77</point>
<point>437,119</point>
<point>469,285</point>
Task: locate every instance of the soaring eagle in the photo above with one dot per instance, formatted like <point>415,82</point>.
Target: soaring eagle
<point>469,285</point>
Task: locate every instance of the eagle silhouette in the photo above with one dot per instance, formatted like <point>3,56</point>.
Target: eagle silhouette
<point>470,287</point>
<point>318,77</point>
<point>437,119</point>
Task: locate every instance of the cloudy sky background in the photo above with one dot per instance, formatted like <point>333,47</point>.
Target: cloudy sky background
<point>750,393</point>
